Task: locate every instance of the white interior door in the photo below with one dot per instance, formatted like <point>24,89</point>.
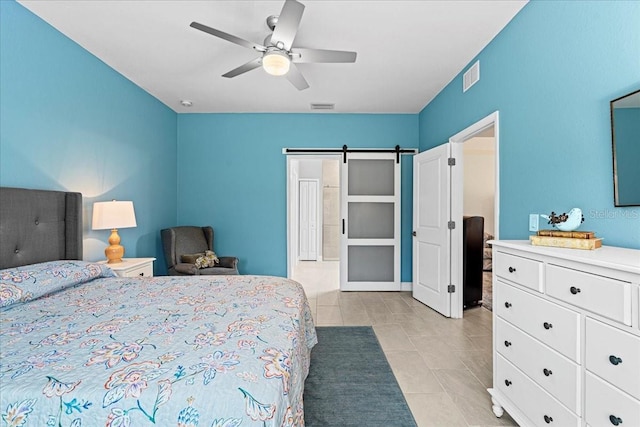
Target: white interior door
<point>370,211</point>
<point>308,214</point>
<point>431,241</point>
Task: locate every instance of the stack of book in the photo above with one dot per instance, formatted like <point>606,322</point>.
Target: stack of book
<point>566,239</point>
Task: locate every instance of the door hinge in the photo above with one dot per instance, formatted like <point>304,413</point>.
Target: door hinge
<point>451,288</point>
<point>451,161</point>
<point>451,225</point>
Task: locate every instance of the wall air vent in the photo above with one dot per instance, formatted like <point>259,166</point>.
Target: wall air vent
<point>471,76</point>
<point>321,106</point>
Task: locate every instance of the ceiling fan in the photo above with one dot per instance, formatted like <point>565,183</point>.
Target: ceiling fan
<point>278,55</point>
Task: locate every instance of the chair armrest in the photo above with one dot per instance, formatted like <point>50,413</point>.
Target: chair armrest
<point>228,262</point>
<point>186,268</point>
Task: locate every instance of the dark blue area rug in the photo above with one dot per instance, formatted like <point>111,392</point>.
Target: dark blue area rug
<point>350,382</point>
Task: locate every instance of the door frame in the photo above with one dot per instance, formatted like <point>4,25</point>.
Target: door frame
<point>457,200</point>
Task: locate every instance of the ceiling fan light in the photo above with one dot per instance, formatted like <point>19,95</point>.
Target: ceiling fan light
<point>276,63</point>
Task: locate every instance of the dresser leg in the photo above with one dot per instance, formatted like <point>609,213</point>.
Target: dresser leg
<point>497,409</point>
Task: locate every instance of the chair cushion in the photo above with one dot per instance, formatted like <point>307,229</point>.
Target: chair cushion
<point>209,259</point>
<point>190,258</point>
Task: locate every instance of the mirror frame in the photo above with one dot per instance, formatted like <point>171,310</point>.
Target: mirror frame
<point>616,202</point>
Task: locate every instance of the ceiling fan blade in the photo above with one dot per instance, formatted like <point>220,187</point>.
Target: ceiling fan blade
<point>228,37</point>
<point>288,23</point>
<point>302,55</point>
<point>251,65</point>
<point>296,78</point>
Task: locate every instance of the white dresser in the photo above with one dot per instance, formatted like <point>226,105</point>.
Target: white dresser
<point>566,335</point>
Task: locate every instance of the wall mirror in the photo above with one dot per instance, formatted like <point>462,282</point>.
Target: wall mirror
<point>625,136</point>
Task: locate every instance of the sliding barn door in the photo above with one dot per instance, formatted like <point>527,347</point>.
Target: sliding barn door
<point>370,210</point>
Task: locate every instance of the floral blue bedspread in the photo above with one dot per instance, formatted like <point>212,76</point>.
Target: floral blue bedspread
<point>80,348</point>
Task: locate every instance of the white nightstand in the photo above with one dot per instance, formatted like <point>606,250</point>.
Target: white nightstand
<point>133,267</point>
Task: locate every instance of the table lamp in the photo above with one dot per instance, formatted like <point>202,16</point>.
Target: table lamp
<point>113,215</point>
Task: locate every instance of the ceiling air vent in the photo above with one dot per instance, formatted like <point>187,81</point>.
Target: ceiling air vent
<point>321,106</point>
<point>471,76</point>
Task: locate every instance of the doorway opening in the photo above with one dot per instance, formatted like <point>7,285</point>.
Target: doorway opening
<point>487,137</point>
<point>313,219</point>
<point>479,190</point>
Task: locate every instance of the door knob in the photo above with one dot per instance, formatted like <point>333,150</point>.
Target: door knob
<point>414,234</point>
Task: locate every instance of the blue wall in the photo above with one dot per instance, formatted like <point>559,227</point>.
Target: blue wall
<point>551,73</point>
<point>627,143</point>
<point>70,122</point>
<point>232,175</point>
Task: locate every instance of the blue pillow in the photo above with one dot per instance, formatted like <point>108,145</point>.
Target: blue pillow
<point>22,284</point>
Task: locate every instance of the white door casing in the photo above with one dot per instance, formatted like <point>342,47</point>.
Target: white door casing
<point>431,241</point>
<point>370,212</point>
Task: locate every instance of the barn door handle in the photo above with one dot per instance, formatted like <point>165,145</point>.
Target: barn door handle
<point>342,225</point>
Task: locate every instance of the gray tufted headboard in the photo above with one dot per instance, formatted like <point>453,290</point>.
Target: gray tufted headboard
<point>38,226</point>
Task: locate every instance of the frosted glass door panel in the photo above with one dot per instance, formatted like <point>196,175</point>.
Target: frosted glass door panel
<point>371,220</point>
<point>371,177</point>
<point>370,223</point>
<point>371,264</point>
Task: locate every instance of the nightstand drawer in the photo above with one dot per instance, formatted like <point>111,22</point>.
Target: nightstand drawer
<point>533,401</point>
<point>613,355</point>
<point>605,405</point>
<point>133,267</point>
<point>556,326</point>
<point>523,271</point>
<point>607,297</point>
<point>143,271</point>
<point>552,371</point>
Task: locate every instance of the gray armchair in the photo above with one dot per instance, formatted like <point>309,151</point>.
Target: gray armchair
<point>187,240</point>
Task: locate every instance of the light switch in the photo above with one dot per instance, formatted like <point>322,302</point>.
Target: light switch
<point>534,222</point>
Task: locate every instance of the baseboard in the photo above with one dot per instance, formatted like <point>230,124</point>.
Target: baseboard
<point>406,286</point>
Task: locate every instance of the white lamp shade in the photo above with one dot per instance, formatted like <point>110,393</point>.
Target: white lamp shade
<point>114,214</point>
<point>276,63</point>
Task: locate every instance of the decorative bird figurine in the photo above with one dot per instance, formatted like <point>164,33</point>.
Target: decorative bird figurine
<point>566,222</point>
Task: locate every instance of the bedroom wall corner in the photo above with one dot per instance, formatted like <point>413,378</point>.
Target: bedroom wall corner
<point>70,122</point>
<point>551,73</point>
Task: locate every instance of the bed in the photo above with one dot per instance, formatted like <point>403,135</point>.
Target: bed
<point>81,347</point>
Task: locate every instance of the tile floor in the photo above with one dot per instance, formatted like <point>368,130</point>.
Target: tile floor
<point>443,366</point>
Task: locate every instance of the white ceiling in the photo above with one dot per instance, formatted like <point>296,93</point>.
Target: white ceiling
<point>407,50</point>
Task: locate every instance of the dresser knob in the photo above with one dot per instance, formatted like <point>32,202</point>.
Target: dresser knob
<point>548,419</point>
<point>547,325</point>
<point>512,270</point>
<point>507,383</point>
<point>615,420</point>
<point>507,343</point>
<point>141,274</point>
<point>507,304</point>
<point>546,372</point>
<point>574,290</point>
<point>614,360</point>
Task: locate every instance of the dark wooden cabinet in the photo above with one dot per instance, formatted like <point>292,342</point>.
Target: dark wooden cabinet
<point>472,259</point>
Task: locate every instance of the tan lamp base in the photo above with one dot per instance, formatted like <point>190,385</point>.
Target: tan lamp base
<point>114,251</point>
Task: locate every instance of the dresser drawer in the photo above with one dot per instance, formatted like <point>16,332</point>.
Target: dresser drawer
<point>606,404</point>
<point>607,297</point>
<point>613,355</point>
<point>552,371</point>
<point>523,271</point>
<point>540,407</point>
<point>555,326</point>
